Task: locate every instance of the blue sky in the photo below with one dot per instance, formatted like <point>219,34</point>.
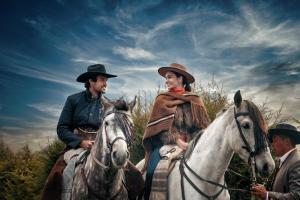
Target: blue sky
<point>44,45</point>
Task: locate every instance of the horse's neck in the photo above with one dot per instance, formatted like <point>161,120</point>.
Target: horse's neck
<point>213,151</point>
<point>97,175</point>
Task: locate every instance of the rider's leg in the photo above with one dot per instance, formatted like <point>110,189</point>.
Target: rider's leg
<point>153,161</point>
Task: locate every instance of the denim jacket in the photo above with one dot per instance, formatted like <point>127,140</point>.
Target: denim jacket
<point>80,110</point>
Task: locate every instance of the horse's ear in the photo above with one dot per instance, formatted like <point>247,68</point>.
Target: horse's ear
<point>132,104</point>
<point>238,99</point>
<point>107,103</point>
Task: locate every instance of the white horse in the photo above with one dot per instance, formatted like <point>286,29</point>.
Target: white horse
<point>102,175</point>
<point>200,175</point>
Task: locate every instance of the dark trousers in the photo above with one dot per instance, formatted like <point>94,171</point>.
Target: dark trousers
<point>153,161</point>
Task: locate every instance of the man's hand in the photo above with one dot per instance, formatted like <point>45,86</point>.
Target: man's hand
<point>259,191</point>
<point>182,144</point>
<point>86,144</point>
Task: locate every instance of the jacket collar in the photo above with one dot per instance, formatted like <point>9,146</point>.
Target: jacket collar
<point>89,97</point>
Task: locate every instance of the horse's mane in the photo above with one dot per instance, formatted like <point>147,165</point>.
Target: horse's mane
<point>123,121</point>
<point>121,104</point>
<point>192,144</point>
<point>259,126</point>
<point>259,130</point>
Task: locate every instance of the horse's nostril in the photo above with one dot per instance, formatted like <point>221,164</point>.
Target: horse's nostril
<point>265,167</point>
<point>114,154</point>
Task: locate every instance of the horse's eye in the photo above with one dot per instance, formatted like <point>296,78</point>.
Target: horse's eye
<point>106,123</point>
<point>246,126</point>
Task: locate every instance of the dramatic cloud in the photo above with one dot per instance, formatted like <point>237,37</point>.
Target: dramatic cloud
<point>251,46</point>
<point>133,53</point>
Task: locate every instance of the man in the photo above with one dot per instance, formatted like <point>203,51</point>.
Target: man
<point>80,118</point>
<point>286,185</point>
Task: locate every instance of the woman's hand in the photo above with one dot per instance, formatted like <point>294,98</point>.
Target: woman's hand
<point>182,144</point>
<point>86,144</point>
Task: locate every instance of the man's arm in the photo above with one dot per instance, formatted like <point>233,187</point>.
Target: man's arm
<point>294,185</point>
<point>64,126</point>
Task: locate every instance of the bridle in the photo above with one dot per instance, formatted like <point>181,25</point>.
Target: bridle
<point>108,150</point>
<point>252,153</point>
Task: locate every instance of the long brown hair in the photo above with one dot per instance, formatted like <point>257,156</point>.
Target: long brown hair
<point>185,82</point>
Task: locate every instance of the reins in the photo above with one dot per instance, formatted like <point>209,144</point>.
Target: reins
<point>108,152</point>
<point>110,145</point>
<point>252,153</point>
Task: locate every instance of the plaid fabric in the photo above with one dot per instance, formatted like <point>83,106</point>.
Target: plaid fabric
<point>159,188</point>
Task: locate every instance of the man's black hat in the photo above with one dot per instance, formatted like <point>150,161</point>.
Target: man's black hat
<point>97,69</point>
<point>287,130</point>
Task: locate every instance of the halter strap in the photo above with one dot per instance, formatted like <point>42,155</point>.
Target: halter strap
<point>252,153</point>
<point>247,147</point>
<point>110,145</point>
<point>183,164</point>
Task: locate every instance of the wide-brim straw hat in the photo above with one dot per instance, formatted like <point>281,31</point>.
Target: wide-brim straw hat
<point>180,69</point>
<point>92,70</point>
<point>285,129</point>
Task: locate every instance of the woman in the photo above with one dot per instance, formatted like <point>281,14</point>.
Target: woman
<point>176,117</point>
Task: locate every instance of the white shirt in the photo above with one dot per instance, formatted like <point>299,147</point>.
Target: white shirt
<point>282,159</point>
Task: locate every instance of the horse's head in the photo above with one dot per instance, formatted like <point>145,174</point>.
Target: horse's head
<point>248,135</point>
<point>117,131</point>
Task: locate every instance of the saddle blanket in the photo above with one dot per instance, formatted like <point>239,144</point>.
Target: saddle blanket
<point>170,154</point>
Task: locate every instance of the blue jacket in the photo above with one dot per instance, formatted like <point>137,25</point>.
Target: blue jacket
<point>80,110</point>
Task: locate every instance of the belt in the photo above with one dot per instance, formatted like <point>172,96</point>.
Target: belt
<point>85,134</point>
<point>85,131</point>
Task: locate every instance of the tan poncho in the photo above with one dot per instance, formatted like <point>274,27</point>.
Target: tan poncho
<point>164,109</point>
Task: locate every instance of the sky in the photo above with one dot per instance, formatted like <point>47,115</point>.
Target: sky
<point>44,45</point>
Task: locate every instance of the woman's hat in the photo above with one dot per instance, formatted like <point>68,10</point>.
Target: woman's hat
<point>180,69</point>
<point>97,69</point>
<point>287,130</point>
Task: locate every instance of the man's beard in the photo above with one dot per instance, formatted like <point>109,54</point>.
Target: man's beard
<point>103,90</point>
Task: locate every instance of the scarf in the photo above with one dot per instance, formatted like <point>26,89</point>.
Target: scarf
<point>177,90</point>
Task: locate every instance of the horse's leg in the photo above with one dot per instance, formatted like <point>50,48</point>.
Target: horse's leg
<point>79,190</point>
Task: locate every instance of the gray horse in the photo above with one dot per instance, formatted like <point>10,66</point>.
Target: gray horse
<point>101,176</point>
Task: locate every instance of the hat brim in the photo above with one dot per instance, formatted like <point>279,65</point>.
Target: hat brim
<point>85,76</point>
<point>163,70</point>
<point>295,135</point>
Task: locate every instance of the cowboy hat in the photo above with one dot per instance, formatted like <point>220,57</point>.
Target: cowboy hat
<point>180,69</point>
<point>97,69</point>
<point>287,130</point>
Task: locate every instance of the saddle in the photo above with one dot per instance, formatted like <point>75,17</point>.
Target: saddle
<point>170,154</point>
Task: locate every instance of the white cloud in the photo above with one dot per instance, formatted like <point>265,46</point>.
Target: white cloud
<point>96,60</point>
<point>133,53</point>
<point>139,69</point>
<point>53,110</point>
<point>44,74</point>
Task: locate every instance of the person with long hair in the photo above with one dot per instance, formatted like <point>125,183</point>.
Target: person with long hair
<point>177,116</point>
